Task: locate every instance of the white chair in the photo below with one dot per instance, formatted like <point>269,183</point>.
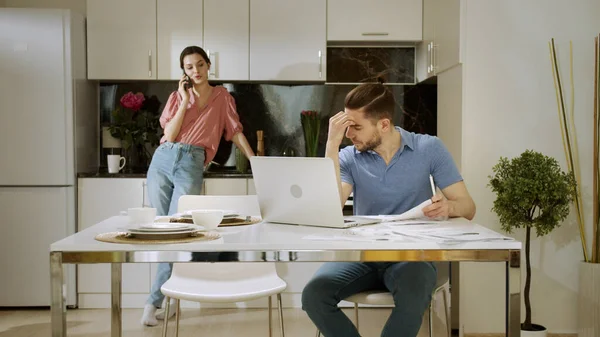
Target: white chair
<point>384,297</point>
<point>227,282</point>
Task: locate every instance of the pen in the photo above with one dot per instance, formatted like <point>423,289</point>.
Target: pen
<point>432,185</point>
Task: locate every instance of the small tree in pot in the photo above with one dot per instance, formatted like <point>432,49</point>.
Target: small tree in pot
<point>532,192</point>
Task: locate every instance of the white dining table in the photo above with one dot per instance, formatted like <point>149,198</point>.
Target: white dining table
<point>271,242</point>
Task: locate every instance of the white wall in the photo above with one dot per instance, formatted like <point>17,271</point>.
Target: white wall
<point>78,6</point>
<point>510,106</point>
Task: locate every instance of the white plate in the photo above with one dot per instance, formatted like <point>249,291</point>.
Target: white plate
<point>164,226</point>
<point>161,236</point>
<point>228,213</point>
<point>180,231</point>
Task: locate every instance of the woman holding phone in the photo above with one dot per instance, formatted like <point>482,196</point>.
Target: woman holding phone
<point>194,119</point>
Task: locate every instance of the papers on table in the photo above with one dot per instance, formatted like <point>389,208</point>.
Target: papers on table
<point>424,233</point>
<point>413,213</point>
<point>411,226</point>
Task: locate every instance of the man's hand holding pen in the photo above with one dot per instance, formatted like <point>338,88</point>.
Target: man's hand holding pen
<point>439,209</point>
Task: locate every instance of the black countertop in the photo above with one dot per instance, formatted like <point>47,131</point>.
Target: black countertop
<point>216,173</point>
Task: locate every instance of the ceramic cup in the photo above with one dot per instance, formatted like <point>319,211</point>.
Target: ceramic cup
<point>141,215</point>
<point>208,218</point>
<point>115,163</point>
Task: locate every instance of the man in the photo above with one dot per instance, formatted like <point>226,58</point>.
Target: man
<point>388,169</point>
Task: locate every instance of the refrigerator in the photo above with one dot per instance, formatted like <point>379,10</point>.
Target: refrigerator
<point>48,133</point>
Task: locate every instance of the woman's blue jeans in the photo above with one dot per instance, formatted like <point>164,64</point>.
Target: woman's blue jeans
<point>176,169</point>
<point>411,284</point>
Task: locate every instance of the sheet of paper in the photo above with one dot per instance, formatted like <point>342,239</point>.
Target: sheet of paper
<point>446,235</point>
<point>355,238</point>
<point>412,214</point>
<point>426,233</point>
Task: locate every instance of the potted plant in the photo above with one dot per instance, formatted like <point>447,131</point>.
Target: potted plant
<point>589,267</point>
<point>136,124</point>
<point>532,192</point>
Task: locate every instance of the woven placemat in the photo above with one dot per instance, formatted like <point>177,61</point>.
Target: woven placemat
<point>239,222</point>
<point>124,237</point>
<point>224,223</point>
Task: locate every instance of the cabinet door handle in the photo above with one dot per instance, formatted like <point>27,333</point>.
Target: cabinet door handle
<point>428,58</point>
<point>144,194</point>
<point>375,34</point>
<point>320,65</point>
<point>149,62</point>
<point>213,66</point>
<point>434,64</point>
<point>431,58</point>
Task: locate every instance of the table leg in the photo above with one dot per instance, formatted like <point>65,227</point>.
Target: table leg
<point>116,320</point>
<point>58,305</point>
<point>513,300</point>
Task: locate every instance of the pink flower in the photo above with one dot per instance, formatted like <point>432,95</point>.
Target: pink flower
<point>309,113</point>
<point>132,101</point>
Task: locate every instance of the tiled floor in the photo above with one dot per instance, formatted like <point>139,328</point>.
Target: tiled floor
<point>194,322</point>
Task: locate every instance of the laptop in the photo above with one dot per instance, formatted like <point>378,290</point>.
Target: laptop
<point>300,191</point>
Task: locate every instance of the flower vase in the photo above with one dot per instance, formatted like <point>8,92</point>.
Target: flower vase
<point>137,161</point>
<point>589,299</point>
<point>311,125</point>
<point>310,145</point>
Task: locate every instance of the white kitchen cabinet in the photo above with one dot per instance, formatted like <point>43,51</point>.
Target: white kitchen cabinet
<point>179,24</point>
<point>225,186</point>
<point>121,39</point>
<point>288,40</point>
<point>99,199</point>
<point>446,53</point>
<point>424,54</point>
<point>441,46</point>
<point>374,20</point>
<point>226,34</point>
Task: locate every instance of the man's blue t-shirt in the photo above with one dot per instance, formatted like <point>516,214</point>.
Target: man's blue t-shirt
<point>403,183</point>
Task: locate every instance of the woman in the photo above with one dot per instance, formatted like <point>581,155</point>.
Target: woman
<point>194,119</point>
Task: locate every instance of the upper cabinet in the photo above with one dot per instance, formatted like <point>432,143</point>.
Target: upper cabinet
<point>288,40</point>
<point>179,24</point>
<point>447,18</point>
<point>374,20</point>
<point>256,40</point>
<point>121,39</point>
<point>440,49</point>
<point>226,38</point>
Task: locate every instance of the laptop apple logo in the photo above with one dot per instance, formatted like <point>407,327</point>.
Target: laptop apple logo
<point>296,191</point>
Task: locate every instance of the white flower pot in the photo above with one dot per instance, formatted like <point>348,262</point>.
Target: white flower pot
<point>589,299</point>
<point>540,333</point>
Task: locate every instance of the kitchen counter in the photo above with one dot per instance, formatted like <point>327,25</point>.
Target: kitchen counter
<point>216,173</point>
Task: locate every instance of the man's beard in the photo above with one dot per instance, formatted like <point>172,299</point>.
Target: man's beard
<point>371,144</point>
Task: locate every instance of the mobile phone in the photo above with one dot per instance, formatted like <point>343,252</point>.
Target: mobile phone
<point>187,84</point>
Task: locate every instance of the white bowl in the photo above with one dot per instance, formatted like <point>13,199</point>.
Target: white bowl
<point>208,218</point>
<point>141,215</point>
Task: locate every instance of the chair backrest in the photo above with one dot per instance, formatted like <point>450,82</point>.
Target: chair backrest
<point>245,204</point>
<point>443,272</point>
<point>226,271</point>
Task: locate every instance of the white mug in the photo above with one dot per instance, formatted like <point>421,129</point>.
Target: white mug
<point>114,163</point>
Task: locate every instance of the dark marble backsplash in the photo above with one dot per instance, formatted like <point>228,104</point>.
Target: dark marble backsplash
<point>364,64</point>
<point>276,109</point>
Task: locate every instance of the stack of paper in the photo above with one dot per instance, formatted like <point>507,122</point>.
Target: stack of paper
<point>444,234</point>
